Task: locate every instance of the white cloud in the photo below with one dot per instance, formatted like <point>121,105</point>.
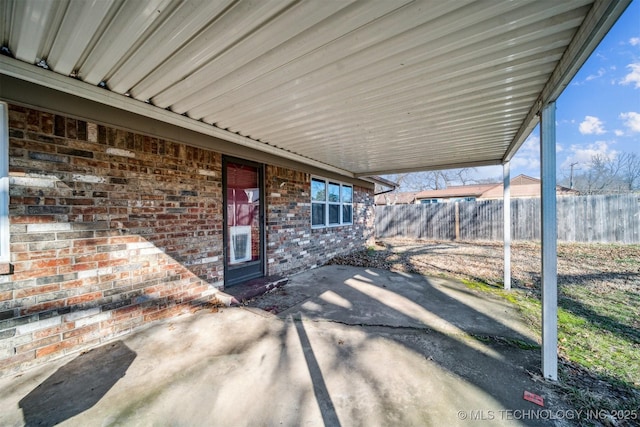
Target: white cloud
<point>618,132</point>
<point>601,72</point>
<point>634,41</point>
<point>631,121</point>
<point>493,173</point>
<point>591,125</point>
<point>583,154</point>
<point>633,76</point>
<point>528,156</point>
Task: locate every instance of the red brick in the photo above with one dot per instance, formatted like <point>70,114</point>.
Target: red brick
<point>37,290</point>
<point>92,258</point>
<point>33,345</point>
<point>78,267</point>
<point>84,298</point>
<point>17,117</point>
<point>54,330</point>
<point>128,312</point>
<point>46,123</point>
<point>45,306</point>
<point>81,331</point>
<point>74,284</point>
<point>17,359</point>
<point>29,256</point>
<point>124,239</point>
<point>34,274</point>
<point>6,295</point>
<point>90,242</point>
<point>57,347</point>
<point>162,314</point>
<point>56,262</point>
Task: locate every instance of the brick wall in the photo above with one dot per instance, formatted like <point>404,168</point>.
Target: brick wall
<point>112,229</point>
<point>109,230</point>
<point>292,245</point>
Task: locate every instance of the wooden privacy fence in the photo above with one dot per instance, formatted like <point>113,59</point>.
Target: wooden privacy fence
<point>605,218</point>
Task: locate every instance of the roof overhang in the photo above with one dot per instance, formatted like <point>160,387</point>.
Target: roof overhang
<point>359,88</point>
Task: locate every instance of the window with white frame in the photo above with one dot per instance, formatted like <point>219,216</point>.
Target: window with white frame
<point>331,203</point>
<point>4,183</point>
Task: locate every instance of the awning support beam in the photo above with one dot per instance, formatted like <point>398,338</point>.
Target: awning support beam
<point>506,212</point>
<point>549,243</point>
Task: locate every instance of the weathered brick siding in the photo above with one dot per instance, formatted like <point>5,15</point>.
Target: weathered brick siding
<point>292,244</point>
<point>111,229</point>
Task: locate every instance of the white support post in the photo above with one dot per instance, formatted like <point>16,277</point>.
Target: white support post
<point>549,243</point>
<point>4,185</point>
<point>506,213</point>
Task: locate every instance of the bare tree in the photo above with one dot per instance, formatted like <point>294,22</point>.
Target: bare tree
<point>605,175</point>
<point>432,180</point>
<point>630,171</point>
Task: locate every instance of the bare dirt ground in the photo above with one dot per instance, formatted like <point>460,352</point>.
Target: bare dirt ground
<point>601,266</point>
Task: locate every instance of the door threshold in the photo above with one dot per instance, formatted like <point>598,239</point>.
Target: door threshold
<point>254,287</point>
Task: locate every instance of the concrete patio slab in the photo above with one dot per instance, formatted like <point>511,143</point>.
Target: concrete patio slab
<point>348,347</point>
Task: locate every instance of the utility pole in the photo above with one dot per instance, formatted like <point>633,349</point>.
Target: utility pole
<point>571,176</point>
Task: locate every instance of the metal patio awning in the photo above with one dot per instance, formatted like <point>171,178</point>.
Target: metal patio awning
<point>360,87</point>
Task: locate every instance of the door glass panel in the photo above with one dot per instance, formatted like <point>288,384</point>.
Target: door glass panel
<point>243,214</point>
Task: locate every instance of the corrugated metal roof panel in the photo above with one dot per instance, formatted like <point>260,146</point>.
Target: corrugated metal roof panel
<point>364,86</point>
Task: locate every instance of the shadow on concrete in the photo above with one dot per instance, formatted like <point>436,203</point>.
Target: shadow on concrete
<point>433,318</point>
<point>327,408</point>
<point>76,386</point>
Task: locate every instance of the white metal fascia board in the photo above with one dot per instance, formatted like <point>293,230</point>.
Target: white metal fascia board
<point>14,68</point>
<point>433,167</point>
<point>597,23</point>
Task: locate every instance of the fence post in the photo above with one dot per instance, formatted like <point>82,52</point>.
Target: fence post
<point>457,216</point>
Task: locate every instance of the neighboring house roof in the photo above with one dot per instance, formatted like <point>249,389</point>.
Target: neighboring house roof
<point>524,190</point>
<point>523,179</point>
<point>521,186</point>
<point>405,198</point>
<point>455,191</point>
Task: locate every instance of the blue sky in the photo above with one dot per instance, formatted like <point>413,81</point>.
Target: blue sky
<point>599,112</point>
